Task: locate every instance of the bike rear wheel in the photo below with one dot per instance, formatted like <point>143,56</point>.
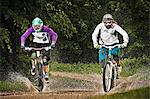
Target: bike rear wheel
<point>40,84</point>
<point>40,77</point>
<point>37,81</point>
<point>107,76</point>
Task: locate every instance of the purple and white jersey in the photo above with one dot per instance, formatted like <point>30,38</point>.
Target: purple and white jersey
<point>40,37</point>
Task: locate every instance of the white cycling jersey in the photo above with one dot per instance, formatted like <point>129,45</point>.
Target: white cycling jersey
<point>107,36</point>
<point>40,37</point>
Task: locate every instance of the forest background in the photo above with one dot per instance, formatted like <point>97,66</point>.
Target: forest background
<point>74,21</point>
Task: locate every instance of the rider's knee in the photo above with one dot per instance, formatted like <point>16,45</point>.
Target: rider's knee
<point>46,60</point>
<point>33,55</point>
<point>102,62</point>
<point>116,58</point>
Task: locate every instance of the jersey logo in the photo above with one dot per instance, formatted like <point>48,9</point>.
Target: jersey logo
<point>40,37</point>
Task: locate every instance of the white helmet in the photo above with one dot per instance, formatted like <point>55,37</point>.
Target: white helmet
<point>107,17</point>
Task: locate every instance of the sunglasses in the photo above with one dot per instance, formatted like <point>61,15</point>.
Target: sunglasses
<point>109,22</point>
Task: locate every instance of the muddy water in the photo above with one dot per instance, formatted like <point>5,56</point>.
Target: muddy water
<point>69,84</point>
<point>60,88</point>
<point>75,86</point>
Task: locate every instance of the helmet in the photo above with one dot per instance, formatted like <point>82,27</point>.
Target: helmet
<point>107,17</point>
<point>37,22</point>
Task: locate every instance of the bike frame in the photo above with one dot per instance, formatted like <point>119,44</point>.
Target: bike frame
<point>110,68</point>
<point>40,72</point>
<point>109,55</point>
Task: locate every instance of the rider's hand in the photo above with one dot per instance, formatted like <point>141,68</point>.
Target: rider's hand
<point>52,45</point>
<point>124,45</point>
<point>22,46</point>
<point>97,46</point>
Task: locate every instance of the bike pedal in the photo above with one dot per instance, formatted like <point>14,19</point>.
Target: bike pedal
<point>46,79</point>
<point>47,82</point>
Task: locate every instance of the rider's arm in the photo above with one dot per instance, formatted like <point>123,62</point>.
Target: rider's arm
<point>25,35</point>
<point>95,33</point>
<point>123,33</point>
<point>52,33</point>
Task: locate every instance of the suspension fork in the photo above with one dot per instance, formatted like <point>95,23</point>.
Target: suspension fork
<point>40,61</point>
<point>110,57</point>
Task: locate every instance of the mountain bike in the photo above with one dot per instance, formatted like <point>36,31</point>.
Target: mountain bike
<point>39,77</point>
<point>110,69</point>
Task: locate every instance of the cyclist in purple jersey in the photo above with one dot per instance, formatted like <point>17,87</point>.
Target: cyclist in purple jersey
<point>41,38</point>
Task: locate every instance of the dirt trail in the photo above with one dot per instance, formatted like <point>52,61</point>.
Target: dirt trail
<point>65,85</point>
<point>87,77</point>
<point>51,95</point>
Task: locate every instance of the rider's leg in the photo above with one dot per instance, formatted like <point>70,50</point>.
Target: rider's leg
<point>46,58</point>
<point>116,58</point>
<point>102,57</point>
<point>46,66</point>
<point>115,53</point>
<point>45,61</point>
<point>34,62</point>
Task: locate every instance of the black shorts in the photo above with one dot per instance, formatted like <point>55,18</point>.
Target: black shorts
<point>38,45</point>
<point>43,52</point>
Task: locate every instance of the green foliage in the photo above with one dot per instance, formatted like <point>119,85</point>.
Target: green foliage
<point>135,65</point>
<point>24,64</point>
<point>5,40</point>
<point>65,27</point>
<point>74,22</point>
<point>24,24</point>
<point>141,93</point>
<point>76,68</point>
<point>127,64</point>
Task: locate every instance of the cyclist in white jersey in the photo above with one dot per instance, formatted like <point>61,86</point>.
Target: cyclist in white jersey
<point>107,31</point>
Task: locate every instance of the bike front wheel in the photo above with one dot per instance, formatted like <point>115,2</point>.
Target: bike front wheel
<point>107,76</point>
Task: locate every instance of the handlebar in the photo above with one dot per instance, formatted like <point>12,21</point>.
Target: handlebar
<point>38,49</point>
<point>111,47</point>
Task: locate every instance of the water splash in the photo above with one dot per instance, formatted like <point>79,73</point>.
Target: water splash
<point>75,82</point>
<point>17,77</point>
<point>62,81</point>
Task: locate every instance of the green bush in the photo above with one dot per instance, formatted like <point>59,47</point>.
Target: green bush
<point>77,68</point>
<point>131,66</point>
